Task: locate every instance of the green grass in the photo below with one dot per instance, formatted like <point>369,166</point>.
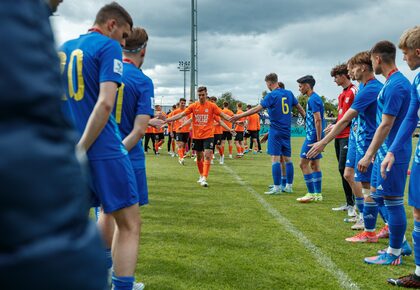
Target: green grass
<point>221,237</point>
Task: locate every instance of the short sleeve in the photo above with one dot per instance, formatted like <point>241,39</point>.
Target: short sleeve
<point>267,101</point>
<point>393,101</point>
<point>145,101</point>
<point>110,62</point>
<point>189,109</point>
<point>361,101</point>
<point>216,109</point>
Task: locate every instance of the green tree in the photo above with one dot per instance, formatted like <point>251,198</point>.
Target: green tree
<point>227,97</point>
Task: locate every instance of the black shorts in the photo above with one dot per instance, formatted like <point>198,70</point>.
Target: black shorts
<point>202,144</point>
<point>253,134</point>
<point>247,134</point>
<point>182,137</point>
<point>218,139</point>
<point>159,136</point>
<point>239,136</point>
<point>226,135</point>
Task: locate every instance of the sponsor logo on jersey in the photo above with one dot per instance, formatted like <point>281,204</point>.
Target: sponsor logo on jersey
<point>118,67</point>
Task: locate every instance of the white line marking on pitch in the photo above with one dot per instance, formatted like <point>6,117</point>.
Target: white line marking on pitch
<point>322,258</point>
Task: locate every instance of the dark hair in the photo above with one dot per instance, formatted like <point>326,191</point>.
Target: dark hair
<point>308,79</point>
<point>137,39</point>
<point>173,106</point>
<point>239,105</point>
<point>340,69</point>
<point>213,99</point>
<point>361,58</point>
<point>272,78</point>
<point>248,106</point>
<point>281,85</point>
<point>182,100</point>
<point>200,89</point>
<point>386,50</point>
<point>115,11</point>
<point>225,104</point>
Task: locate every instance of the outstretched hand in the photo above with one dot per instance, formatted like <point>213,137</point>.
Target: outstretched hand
<point>316,148</point>
<point>156,122</point>
<point>233,119</point>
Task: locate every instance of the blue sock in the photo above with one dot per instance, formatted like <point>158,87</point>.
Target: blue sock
<point>97,212</point>
<point>290,172</point>
<point>397,221</point>
<point>416,242</point>
<point>360,203</point>
<point>309,182</point>
<point>122,283</point>
<point>283,181</point>
<point>381,206</point>
<point>370,214</point>
<point>317,176</point>
<point>108,256</point>
<point>276,172</point>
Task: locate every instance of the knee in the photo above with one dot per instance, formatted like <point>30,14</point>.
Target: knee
<point>303,165</point>
<point>348,176</point>
<point>416,214</point>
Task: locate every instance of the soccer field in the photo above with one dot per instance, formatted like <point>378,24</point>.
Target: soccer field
<point>232,236</point>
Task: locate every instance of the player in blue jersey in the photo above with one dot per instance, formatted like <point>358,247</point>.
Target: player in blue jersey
<point>279,103</point>
<point>134,109</point>
<point>363,107</point>
<point>92,72</point>
<point>314,132</point>
<point>410,46</point>
<point>47,241</point>
<point>393,103</point>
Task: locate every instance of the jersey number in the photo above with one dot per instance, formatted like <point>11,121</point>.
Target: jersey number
<point>284,106</point>
<point>76,60</point>
<point>118,106</point>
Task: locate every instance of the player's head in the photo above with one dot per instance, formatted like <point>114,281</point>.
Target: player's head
<point>272,81</point>
<point>135,45</point>
<point>248,107</point>
<point>410,47</point>
<point>182,103</point>
<point>158,108</point>
<point>360,65</point>
<point>225,104</point>
<point>173,107</point>
<point>281,85</point>
<point>202,94</point>
<point>340,74</point>
<point>350,70</point>
<point>54,5</point>
<point>382,53</point>
<point>239,105</point>
<point>213,99</point>
<point>115,22</point>
<point>306,84</point>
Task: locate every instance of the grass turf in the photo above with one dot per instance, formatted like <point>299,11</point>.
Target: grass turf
<point>221,238</point>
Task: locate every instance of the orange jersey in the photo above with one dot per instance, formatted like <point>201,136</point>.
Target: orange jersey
<point>229,113</point>
<point>170,129</point>
<point>181,121</point>
<point>217,128</point>
<point>203,116</point>
<point>160,130</point>
<point>149,129</point>
<point>240,127</point>
<point>253,122</point>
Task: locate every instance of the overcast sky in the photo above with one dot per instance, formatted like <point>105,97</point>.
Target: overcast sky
<point>241,41</point>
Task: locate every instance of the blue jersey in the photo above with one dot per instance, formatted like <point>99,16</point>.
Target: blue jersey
<point>135,97</point>
<point>314,105</point>
<point>86,62</point>
<point>365,104</point>
<point>394,100</point>
<point>279,104</point>
<point>410,122</point>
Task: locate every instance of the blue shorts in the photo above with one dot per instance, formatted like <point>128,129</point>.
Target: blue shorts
<point>359,176</point>
<point>278,144</point>
<point>414,186</point>
<point>351,154</point>
<point>306,148</point>
<point>113,183</point>
<point>140,173</point>
<point>394,183</point>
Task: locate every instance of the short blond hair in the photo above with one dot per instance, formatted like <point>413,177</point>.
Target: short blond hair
<point>410,38</point>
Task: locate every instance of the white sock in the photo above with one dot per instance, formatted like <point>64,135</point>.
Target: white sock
<point>417,272</point>
<point>276,187</point>
<point>395,252</point>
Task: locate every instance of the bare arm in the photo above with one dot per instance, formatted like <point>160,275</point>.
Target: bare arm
<point>252,111</point>
<point>301,110</point>
<point>318,125</point>
<point>189,121</point>
<point>176,117</point>
<point>99,116</point>
<point>140,126</point>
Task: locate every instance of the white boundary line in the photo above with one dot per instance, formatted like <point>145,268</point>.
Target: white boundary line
<point>322,258</point>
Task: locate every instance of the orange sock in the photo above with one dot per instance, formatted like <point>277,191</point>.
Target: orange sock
<point>230,149</point>
<point>223,150</point>
<point>181,153</point>
<point>206,168</point>
<point>200,166</point>
<point>173,145</point>
<point>157,146</point>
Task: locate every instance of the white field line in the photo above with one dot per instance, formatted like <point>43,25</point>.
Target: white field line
<point>323,260</point>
